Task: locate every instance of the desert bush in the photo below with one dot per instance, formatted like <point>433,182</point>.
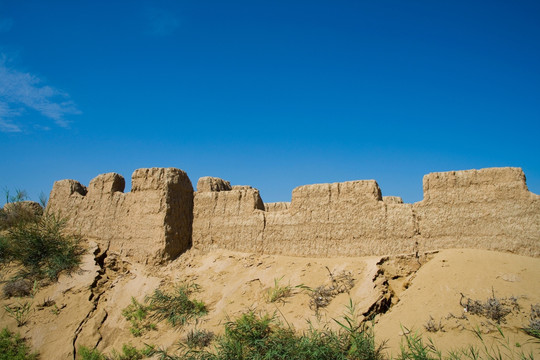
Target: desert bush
<point>176,307</point>
<point>321,296</point>
<point>136,313</point>
<point>18,287</point>
<point>494,308</point>
<point>128,353</point>
<point>261,336</point>
<point>17,210</point>
<point>534,322</point>
<point>43,247</point>
<point>13,347</point>
<point>198,339</point>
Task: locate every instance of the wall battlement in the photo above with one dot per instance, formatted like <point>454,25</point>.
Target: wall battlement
<point>151,223</point>
<point>162,216</point>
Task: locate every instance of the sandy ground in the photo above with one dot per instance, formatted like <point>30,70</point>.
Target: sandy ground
<point>400,294</point>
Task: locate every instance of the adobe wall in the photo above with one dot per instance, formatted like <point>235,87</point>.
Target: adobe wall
<point>162,216</point>
<point>151,223</point>
<point>488,209</point>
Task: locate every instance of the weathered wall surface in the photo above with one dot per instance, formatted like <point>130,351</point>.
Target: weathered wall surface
<point>488,209</point>
<point>151,223</point>
<point>161,216</point>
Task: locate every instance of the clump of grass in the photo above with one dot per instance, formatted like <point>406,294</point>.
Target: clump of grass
<point>13,347</point>
<point>176,307</point>
<point>136,313</point>
<point>494,308</point>
<point>534,322</point>
<point>279,292</point>
<point>20,312</point>
<point>128,353</point>
<point>43,247</point>
<point>199,339</point>
<point>433,326</point>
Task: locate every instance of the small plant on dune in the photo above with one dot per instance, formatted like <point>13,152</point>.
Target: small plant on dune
<point>128,353</point>
<point>494,308</point>
<point>278,292</point>
<point>413,347</point>
<point>20,312</point>
<point>43,247</point>
<point>321,296</point>
<point>176,307</point>
<point>534,322</point>
<point>136,313</point>
<point>13,347</point>
<point>432,326</point>
<point>199,339</point>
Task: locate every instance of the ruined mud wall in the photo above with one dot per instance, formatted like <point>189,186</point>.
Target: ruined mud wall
<point>488,209</point>
<point>150,224</point>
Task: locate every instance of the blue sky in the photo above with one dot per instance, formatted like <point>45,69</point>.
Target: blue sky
<point>273,94</point>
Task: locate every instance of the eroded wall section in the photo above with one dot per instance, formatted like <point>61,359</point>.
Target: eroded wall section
<point>488,209</point>
<point>151,223</point>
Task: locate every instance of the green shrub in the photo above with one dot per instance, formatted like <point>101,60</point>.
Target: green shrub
<point>176,307</point>
<point>136,313</point>
<point>13,347</point>
<point>128,353</point>
<point>43,248</point>
<point>253,336</point>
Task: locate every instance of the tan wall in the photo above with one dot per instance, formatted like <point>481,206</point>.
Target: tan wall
<point>161,216</point>
<point>488,208</point>
<point>151,223</point>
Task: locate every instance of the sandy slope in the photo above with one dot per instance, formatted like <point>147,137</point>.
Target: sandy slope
<point>403,291</point>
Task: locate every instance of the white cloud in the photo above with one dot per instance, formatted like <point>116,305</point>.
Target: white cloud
<point>20,91</point>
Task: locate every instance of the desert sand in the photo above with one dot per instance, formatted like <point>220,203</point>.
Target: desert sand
<point>398,293</point>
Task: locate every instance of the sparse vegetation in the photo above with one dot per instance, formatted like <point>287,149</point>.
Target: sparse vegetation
<point>253,336</point>
<point>13,347</point>
<point>176,307</point>
<point>279,292</point>
<point>534,322</point>
<point>136,313</point>
<point>494,308</point>
<point>43,248</point>
<point>433,326</point>
<point>321,296</point>
<point>20,312</point>
<point>16,211</point>
<point>128,353</point>
<point>199,339</point>
<point>18,287</point>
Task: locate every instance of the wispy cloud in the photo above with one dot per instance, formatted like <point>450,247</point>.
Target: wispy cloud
<point>21,91</point>
<point>161,22</point>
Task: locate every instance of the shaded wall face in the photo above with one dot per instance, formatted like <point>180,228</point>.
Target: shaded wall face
<point>151,223</point>
<point>488,209</point>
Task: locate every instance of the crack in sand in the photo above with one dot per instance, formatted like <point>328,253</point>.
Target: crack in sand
<point>99,258</point>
